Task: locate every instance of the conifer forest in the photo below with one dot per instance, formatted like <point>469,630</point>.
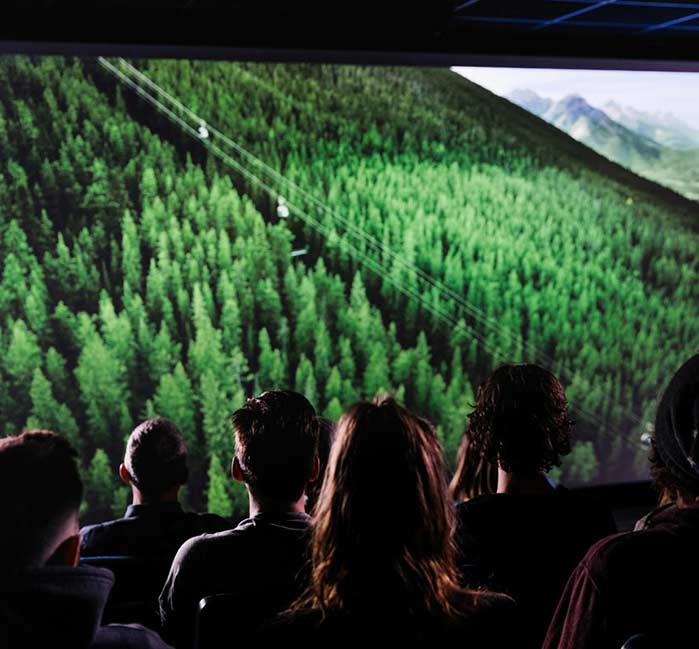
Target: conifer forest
<point>178,235</point>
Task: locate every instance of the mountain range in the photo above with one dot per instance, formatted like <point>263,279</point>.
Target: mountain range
<point>658,146</point>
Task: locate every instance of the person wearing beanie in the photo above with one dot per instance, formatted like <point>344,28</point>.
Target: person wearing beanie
<point>646,581</point>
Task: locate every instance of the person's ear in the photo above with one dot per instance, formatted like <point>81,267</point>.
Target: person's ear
<point>236,471</point>
<point>125,475</point>
<point>315,473</point>
<point>68,553</point>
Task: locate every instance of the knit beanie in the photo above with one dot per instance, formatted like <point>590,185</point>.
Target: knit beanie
<point>677,425</point>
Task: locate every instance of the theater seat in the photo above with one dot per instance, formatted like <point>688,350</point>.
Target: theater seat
<point>137,584</point>
<point>244,612</point>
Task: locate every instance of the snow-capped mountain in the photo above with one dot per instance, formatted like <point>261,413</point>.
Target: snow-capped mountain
<point>657,146</point>
<point>591,126</point>
<point>664,128</point>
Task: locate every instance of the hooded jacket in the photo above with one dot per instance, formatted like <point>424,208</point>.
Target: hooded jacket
<point>59,606</point>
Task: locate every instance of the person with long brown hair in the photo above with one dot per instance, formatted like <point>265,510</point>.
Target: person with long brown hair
<point>383,557</point>
<point>474,475</point>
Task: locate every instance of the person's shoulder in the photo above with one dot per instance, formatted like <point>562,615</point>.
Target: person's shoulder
<point>479,505</point>
<point>92,536</point>
<point>208,542</point>
<point>610,554</point>
<point>208,523</point>
<point>127,636</point>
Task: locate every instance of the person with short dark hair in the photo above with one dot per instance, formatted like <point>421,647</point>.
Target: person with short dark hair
<point>140,546</point>
<point>45,600</point>
<point>644,582</point>
<point>526,538</point>
<point>276,456</point>
<point>383,561</point>
<point>154,525</point>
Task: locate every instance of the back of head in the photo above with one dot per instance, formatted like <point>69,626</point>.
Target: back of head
<point>521,419</point>
<point>276,440</point>
<point>675,460</point>
<point>384,524</point>
<point>156,457</point>
<point>40,494</point>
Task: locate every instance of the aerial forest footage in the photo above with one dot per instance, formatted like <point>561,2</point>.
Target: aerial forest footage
<point>381,229</point>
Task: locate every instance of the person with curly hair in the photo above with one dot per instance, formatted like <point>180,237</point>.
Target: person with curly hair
<point>644,582</point>
<point>526,538</point>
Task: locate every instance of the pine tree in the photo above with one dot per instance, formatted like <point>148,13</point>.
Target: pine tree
<point>322,353</point>
<point>216,410</point>
<point>581,466</point>
<point>99,487</point>
<point>47,413</point>
<point>271,373</point>
<point>217,498</point>
<point>305,380</point>
<point>130,253</point>
<point>102,380</point>
<point>333,410</point>
<point>57,374</point>
<point>333,388</point>
<point>376,379</point>
<point>174,400</point>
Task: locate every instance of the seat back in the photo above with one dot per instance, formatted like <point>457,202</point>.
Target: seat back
<point>137,585</point>
<point>245,612</point>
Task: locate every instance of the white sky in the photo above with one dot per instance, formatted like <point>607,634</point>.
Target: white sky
<point>676,92</point>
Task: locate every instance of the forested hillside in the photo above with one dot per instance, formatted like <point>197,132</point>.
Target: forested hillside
<point>141,276</point>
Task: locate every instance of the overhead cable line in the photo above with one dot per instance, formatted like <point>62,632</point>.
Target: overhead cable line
<point>125,73</point>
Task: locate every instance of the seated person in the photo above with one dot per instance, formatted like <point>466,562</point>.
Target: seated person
<point>383,562</point>
<point>474,475</point>
<point>276,456</point>
<point>526,538</point>
<point>155,525</point>
<point>45,600</point>
<point>644,582</point>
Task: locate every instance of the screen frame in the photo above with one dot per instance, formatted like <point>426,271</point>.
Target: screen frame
<point>342,57</point>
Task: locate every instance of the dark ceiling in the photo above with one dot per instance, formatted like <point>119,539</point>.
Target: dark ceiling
<point>634,33</point>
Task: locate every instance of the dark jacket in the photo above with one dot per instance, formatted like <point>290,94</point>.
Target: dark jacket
<point>151,530</point>
<point>264,554</point>
<point>642,582</point>
<point>527,546</point>
<point>56,607</point>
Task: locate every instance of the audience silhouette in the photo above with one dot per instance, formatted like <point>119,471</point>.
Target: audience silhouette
<point>392,555</point>
<point>154,525</point>
<point>140,547</point>
<point>526,538</point>
<point>261,560</point>
<point>45,600</point>
<point>644,582</point>
<point>383,560</point>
